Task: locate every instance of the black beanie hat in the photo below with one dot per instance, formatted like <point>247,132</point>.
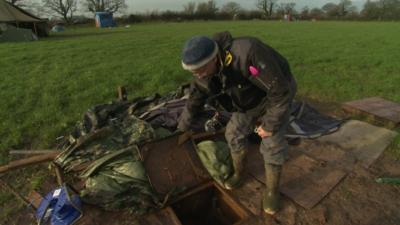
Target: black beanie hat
<point>198,51</point>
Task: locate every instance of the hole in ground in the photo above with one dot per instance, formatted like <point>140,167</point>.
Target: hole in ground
<point>210,206</point>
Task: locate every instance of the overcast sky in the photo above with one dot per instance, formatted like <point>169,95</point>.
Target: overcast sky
<point>149,5</point>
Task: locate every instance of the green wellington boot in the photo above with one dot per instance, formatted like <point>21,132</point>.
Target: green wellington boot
<point>238,159</point>
<point>271,198</point>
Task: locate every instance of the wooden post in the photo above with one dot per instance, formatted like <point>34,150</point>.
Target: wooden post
<point>28,161</point>
<point>34,27</point>
<point>122,94</point>
<point>59,174</point>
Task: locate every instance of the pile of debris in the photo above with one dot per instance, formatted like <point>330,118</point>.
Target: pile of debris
<point>106,152</point>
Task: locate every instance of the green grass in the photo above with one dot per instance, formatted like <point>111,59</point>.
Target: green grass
<point>46,86</point>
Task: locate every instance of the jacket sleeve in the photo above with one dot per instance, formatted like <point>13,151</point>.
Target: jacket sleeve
<point>194,105</point>
<point>266,73</point>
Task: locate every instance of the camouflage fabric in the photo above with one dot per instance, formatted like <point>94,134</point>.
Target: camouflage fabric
<point>119,181</point>
<point>92,146</point>
<point>108,161</point>
<point>216,158</point>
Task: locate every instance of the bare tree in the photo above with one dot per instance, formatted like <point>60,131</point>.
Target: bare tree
<point>316,13</point>
<point>331,9</point>
<point>189,8</point>
<point>231,8</point>
<point>305,13</point>
<point>63,8</point>
<point>371,10</point>
<point>288,7</point>
<point>266,6</point>
<point>207,10</point>
<point>345,7</point>
<point>390,9</point>
<point>105,5</point>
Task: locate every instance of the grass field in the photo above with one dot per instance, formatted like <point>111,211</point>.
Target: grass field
<point>46,86</point>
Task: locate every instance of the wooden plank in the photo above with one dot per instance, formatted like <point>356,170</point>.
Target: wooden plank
<point>35,199</point>
<point>365,141</point>
<point>307,182</point>
<point>249,195</point>
<point>22,163</point>
<point>304,179</point>
<point>241,213</point>
<point>378,108</point>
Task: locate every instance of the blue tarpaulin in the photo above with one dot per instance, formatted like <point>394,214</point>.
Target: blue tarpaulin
<point>104,19</point>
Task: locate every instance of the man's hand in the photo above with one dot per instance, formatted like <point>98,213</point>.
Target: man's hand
<point>262,133</point>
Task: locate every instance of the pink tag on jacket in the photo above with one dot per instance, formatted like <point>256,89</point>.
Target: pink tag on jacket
<point>254,71</point>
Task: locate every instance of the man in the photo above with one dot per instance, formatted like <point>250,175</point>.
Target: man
<point>252,80</point>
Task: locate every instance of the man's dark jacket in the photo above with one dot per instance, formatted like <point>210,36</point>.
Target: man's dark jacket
<point>256,73</point>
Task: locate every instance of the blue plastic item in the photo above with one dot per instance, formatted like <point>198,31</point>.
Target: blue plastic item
<point>59,207</point>
<point>104,19</point>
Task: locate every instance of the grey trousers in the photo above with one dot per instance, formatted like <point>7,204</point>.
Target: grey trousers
<point>241,125</point>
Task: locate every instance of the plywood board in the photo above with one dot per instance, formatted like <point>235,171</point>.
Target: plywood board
<point>381,109</point>
<point>249,194</point>
<point>305,180</point>
<point>365,141</point>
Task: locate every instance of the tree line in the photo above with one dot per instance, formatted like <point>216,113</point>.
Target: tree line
<point>208,10</point>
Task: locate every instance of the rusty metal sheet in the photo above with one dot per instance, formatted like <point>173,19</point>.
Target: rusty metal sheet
<point>381,109</point>
<point>169,165</point>
<point>305,180</point>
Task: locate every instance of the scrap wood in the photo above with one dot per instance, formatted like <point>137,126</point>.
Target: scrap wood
<point>84,140</point>
<point>32,152</point>
<point>35,199</point>
<point>17,164</point>
<point>122,93</point>
<point>59,174</point>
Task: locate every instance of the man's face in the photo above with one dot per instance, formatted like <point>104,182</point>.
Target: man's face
<point>207,70</point>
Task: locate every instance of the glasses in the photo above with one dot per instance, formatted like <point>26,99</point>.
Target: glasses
<point>205,70</point>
